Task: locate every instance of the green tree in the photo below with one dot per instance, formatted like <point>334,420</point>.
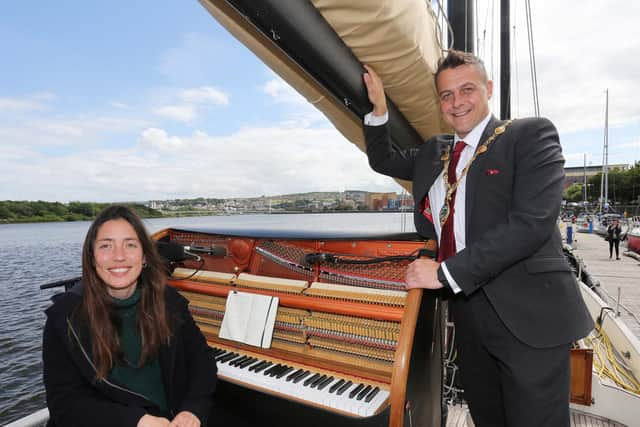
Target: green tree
<point>574,193</point>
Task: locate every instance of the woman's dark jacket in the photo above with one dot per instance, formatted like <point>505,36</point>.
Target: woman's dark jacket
<point>613,232</point>
<point>75,399</point>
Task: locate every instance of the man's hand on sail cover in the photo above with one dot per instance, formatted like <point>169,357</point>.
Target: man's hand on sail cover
<point>375,90</point>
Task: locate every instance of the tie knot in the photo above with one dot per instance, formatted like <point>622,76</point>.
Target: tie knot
<point>459,147</point>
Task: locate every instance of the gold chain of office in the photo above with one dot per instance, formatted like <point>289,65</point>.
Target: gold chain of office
<point>451,188</point>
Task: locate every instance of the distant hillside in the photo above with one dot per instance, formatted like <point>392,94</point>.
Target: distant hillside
<point>23,211</point>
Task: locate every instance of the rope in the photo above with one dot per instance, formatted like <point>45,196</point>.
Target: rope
<point>607,361</point>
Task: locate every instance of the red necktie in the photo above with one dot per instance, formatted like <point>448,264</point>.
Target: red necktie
<point>447,236</point>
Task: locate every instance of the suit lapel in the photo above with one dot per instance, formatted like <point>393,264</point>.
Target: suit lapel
<point>433,167</point>
<point>475,171</point>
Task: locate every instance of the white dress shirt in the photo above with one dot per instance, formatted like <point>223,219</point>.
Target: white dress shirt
<point>438,190</point>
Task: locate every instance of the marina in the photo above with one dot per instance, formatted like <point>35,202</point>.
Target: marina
<point>619,279</point>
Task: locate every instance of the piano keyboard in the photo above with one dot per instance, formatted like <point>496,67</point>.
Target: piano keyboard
<point>320,389</point>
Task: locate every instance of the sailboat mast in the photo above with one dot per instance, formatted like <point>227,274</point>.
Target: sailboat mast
<point>461,18</point>
<point>460,14</point>
<point>606,150</point>
<point>584,179</point>
<point>505,61</point>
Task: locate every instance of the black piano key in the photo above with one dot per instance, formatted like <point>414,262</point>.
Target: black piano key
<point>356,390</point>
<point>276,372</point>
<point>364,392</point>
<point>235,362</point>
<point>336,385</point>
<point>272,369</point>
<point>344,387</point>
<point>325,383</point>
<point>295,374</point>
<point>217,352</point>
<point>371,395</point>
<point>247,362</point>
<point>234,359</point>
<point>263,367</point>
<point>228,357</point>
<point>221,355</point>
<point>285,372</point>
<point>310,380</point>
<point>317,381</point>
<point>301,377</point>
<point>258,365</point>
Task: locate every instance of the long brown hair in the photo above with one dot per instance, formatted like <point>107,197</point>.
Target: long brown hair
<point>97,305</point>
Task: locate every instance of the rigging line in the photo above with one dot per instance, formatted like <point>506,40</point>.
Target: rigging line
<point>437,16</point>
<point>475,29</point>
<point>484,34</point>
<point>515,63</point>
<point>449,28</point>
<point>532,60</point>
<point>494,20</point>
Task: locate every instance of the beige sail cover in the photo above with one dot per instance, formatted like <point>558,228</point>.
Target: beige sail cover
<point>398,38</point>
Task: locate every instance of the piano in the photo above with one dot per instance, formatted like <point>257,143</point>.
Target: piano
<point>350,347</point>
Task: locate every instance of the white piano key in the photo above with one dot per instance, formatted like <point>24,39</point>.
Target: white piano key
<point>324,397</point>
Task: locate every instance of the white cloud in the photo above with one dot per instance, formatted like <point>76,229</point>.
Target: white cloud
<point>57,132</point>
<point>205,94</point>
<point>159,139</point>
<point>191,102</point>
<point>282,92</point>
<point>302,113</point>
<point>249,162</point>
<point>34,102</point>
<point>119,105</point>
<point>182,113</point>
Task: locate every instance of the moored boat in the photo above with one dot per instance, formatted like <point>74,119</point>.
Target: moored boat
<point>633,234</point>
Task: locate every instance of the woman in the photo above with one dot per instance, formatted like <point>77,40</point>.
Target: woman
<point>613,236</point>
<point>122,349</point>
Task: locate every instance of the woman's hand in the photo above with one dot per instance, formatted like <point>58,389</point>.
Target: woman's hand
<point>185,419</point>
<point>151,421</point>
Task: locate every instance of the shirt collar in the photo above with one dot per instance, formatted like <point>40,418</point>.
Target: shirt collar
<point>473,138</point>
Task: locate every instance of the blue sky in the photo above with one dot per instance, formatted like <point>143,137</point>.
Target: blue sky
<point>139,100</point>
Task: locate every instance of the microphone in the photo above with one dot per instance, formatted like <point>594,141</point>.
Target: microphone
<point>174,252</point>
<point>220,251</point>
<point>67,283</point>
<point>317,257</point>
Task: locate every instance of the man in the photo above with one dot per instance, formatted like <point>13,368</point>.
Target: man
<point>515,303</point>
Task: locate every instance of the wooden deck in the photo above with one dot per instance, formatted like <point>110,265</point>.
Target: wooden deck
<point>459,417</point>
<point>613,275</point>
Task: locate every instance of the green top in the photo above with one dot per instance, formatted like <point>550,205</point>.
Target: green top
<point>145,380</point>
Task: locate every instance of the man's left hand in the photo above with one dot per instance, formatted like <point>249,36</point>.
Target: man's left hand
<point>423,273</point>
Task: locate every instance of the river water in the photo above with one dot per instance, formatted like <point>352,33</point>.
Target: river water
<point>34,254</point>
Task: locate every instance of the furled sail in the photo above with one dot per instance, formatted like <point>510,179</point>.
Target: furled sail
<point>319,46</point>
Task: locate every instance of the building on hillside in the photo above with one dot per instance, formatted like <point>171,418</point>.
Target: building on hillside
<point>576,175</point>
<point>357,196</point>
<point>381,201</point>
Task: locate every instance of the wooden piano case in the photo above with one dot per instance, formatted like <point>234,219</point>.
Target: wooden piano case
<point>343,312</point>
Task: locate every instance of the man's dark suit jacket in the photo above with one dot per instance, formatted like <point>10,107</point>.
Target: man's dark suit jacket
<point>513,247</point>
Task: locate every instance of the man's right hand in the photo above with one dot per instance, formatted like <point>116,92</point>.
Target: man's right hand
<point>375,91</point>
<point>151,421</point>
